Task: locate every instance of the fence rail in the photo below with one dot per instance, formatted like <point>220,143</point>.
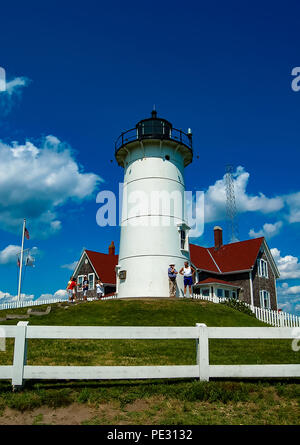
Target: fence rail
<point>274,318</point>
<point>20,371</point>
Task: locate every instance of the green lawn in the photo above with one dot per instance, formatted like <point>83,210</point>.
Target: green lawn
<point>164,401</point>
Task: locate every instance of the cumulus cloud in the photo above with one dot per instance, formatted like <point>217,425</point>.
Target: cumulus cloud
<point>11,94</point>
<point>70,266</point>
<point>215,204</point>
<point>293,203</point>
<point>215,198</point>
<point>35,180</point>
<point>289,298</point>
<point>9,253</point>
<point>288,265</point>
<point>60,293</point>
<point>6,297</point>
<point>268,230</point>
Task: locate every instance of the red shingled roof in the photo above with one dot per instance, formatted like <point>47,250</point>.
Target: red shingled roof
<point>201,258</point>
<point>104,264</point>
<point>229,258</point>
<point>216,280</point>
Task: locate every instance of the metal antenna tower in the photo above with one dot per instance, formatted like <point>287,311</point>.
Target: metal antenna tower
<point>233,231</point>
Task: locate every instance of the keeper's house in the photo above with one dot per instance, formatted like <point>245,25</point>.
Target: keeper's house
<point>97,266</point>
<point>244,270</point>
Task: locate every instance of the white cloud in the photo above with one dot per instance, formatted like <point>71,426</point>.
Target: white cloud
<point>60,293</point>
<point>70,266</point>
<point>9,254</point>
<point>14,85</point>
<point>6,297</point>
<point>289,266</point>
<point>293,203</point>
<point>289,298</point>
<point>268,230</point>
<point>35,180</point>
<point>12,93</point>
<point>285,289</point>
<point>215,198</point>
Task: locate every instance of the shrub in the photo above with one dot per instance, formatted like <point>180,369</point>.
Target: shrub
<point>239,306</point>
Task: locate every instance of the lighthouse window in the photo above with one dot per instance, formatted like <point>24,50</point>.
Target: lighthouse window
<point>182,239</point>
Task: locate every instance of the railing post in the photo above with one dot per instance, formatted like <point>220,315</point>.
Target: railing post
<point>20,355</point>
<point>202,352</point>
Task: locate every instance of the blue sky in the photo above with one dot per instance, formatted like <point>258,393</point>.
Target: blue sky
<point>80,73</point>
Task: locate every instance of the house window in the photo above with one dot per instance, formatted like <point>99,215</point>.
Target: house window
<point>91,278</point>
<point>233,294</point>
<point>205,292</point>
<point>227,293</point>
<point>220,293</point>
<point>79,282</point>
<point>265,299</point>
<point>263,268</point>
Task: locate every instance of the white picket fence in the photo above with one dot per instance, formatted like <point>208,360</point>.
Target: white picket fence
<point>27,303</point>
<point>274,318</point>
<point>24,303</point>
<point>22,332</point>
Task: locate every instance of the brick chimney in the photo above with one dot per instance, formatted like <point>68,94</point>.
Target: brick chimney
<point>111,249</point>
<point>218,233</point>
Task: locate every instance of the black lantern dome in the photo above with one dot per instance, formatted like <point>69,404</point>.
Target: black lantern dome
<point>155,128</point>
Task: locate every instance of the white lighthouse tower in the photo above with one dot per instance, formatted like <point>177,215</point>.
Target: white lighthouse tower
<point>154,231</point>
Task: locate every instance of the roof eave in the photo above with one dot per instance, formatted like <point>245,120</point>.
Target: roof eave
<point>219,284</point>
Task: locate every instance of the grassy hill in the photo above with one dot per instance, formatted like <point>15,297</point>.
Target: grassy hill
<point>154,401</point>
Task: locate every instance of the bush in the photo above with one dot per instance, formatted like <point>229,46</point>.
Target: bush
<point>238,305</point>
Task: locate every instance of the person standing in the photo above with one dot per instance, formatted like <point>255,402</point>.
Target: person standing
<point>85,287</point>
<point>99,289</point>
<point>71,288</point>
<point>172,272</point>
<point>188,273</point>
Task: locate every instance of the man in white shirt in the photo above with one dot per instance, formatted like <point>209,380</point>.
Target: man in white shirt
<point>188,273</point>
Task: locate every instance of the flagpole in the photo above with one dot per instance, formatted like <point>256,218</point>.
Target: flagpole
<point>21,262</point>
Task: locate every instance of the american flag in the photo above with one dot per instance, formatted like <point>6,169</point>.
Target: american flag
<point>26,233</point>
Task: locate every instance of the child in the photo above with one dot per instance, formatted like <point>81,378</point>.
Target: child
<point>99,289</point>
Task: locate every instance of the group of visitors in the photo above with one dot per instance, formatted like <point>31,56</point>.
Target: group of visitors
<point>83,289</point>
<point>187,271</point>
